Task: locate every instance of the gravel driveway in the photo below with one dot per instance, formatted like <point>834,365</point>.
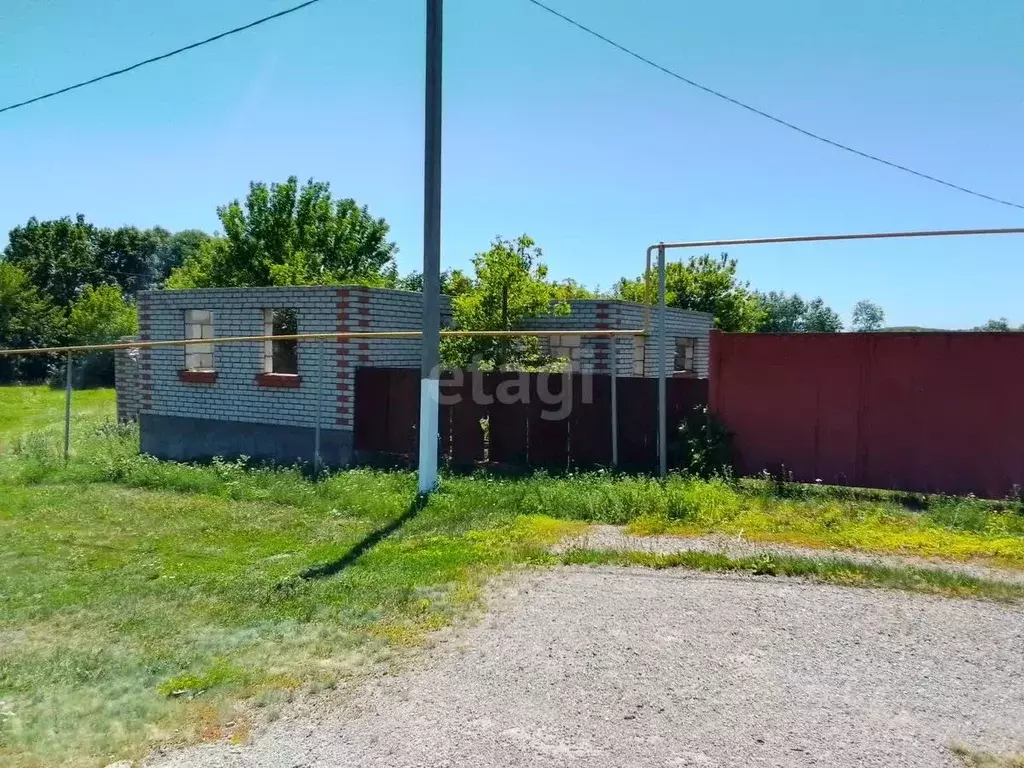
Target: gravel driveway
<point>631,667</point>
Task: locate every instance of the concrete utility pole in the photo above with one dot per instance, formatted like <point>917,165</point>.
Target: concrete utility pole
<point>431,251</point>
<point>662,368</point>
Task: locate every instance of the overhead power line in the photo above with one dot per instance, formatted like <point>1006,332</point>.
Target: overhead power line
<point>569,20</point>
<point>161,57</point>
<point>766,115</point>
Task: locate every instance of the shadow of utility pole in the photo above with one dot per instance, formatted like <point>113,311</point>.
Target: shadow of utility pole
<point>371,540</point>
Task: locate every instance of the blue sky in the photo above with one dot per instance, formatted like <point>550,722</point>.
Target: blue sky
<point>550,132</point>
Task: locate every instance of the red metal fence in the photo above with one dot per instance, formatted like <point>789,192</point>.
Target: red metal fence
<point>520,418</point>
<point>937,412</point>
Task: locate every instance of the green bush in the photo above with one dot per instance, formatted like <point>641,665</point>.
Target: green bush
<point>702,445</point>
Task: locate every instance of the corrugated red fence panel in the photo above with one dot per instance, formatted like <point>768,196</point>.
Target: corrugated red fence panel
<point>540,420</point>
<point>467,436</point>
<point>370,422</point>
<point>549,434</point>
<point>403,411</point>
<point>507,419</point>
<point>638,413</point>
<point>932,412</point>
<point>590,431</point>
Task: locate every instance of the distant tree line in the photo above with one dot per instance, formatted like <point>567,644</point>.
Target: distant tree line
<point>68,282</point>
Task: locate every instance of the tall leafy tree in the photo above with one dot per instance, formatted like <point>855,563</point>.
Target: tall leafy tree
<point>59,257</point>
<point>867,316</point>
<point>128,257</point>
<point>287,234</point>
<point>28,319</point>
<point>783,312</point>
<point>789,313</point>
<point>509,286</point>
<point>821,318</point>
<point>178,247</point>
<point>702,284</point>
<point>64,256</point>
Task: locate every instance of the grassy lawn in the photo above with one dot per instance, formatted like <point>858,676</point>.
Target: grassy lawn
<point>30,409</point>
<point>144,603</point>
<point>965,529</point>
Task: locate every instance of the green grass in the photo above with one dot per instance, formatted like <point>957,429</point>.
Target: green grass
<point>146,602</point>
<point>844,572</point>
<point>29,409</point>
<point>964,529</point>
<point>129,614</point>
<point>973,759</point>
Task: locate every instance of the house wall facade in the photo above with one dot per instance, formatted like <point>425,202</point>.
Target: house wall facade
<point>236,409</point>
<point>126,378</point>
<point>634,355</point>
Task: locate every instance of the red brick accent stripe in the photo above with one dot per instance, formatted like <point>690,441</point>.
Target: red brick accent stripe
<point>284,380</point>
<point>197,377</point>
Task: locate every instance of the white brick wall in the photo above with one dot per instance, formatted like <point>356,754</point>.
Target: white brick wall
<point>126,382</point>
<point>236,395</point>
<point>590,314</point>
<point>680,324</point>
<point>377,309</point>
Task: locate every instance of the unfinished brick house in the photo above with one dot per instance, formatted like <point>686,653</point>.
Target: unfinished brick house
<point>265,399</point>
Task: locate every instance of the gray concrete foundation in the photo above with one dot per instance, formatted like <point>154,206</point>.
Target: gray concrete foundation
<point>180,438</point>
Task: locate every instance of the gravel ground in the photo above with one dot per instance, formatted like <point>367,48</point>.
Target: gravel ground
<point>615,667</point>
<point>614,537</point>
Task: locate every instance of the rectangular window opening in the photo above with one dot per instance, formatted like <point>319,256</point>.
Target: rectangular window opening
<point>199,325</point>
<point>280,356</point>
<point>684,355</point>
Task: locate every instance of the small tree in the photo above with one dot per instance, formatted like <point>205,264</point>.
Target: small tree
<point>867,316</point>
<point>100,316</point>
<point>508,287</point>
